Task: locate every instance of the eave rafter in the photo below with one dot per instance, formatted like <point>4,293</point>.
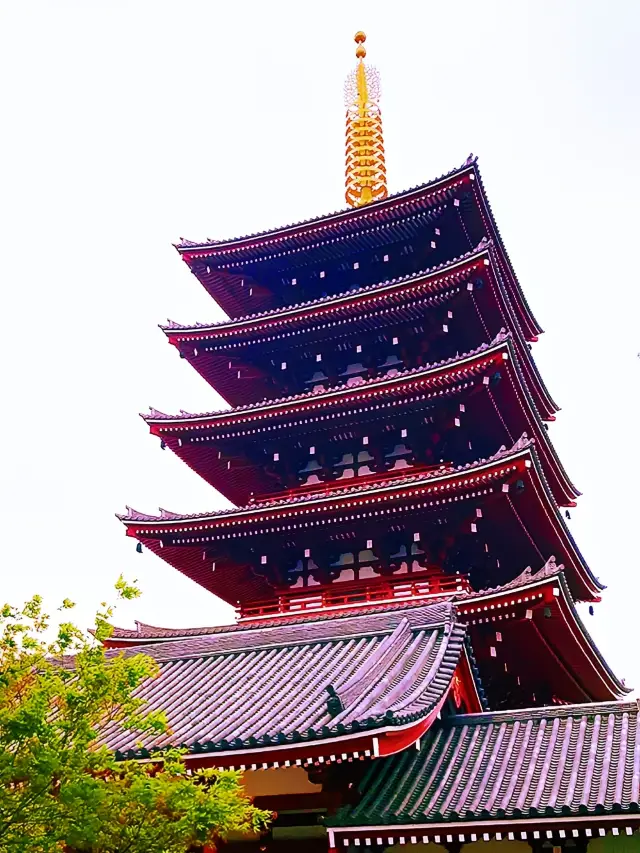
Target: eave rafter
<point>543,601</point>
<point>170,534</point>
<point>304,236</point>
<point>433,382</point>
<point>214,350</point>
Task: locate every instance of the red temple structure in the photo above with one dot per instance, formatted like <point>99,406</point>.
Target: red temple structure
<point>408,665</point>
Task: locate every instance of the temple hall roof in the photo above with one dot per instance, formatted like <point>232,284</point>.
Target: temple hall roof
<point>552,762</point>
<point>270,687</point>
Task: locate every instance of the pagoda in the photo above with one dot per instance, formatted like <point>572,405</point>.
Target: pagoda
<point>408,666</point>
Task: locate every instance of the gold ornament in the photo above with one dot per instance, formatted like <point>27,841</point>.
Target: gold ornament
<point>366,174</point>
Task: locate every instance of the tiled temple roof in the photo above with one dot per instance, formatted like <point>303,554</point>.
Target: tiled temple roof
<point>243,690</point>
<point>544,762</point>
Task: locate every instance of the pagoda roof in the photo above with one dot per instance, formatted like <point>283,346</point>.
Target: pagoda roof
<point>309,231</point>
<point>265,690</point>
<point>443,276</point>
<point>559,633</point>
<point>524,772</point>
<point>429,381</point>
<point>365,226</point>
<point>431,286</point>
<point>187,535</point>
<point>292,505</point>
<point>342,392</point>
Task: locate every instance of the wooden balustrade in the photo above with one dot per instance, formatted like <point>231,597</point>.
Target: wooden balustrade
<point>385,589</point>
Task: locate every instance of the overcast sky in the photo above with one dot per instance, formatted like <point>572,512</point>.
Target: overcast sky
<point>126,125</point>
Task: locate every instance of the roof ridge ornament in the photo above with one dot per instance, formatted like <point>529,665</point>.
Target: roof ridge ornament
<point>366,173</point>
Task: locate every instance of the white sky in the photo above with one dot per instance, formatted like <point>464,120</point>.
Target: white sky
<point>126,125</point>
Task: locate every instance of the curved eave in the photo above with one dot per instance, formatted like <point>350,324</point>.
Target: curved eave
<point>321,227</point>
<point>564,635</point>
<point>350,496</point>
<point>342,395</point>
<point>564,490</point>
<point>430,489</point>
<point>431,284</point>
<point>430,379</point>
<point>603,683</point>
<point>529,322</point>
<point>310,313</point>
<point>586,587</point>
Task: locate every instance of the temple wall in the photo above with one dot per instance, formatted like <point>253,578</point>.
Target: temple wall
<point>622,843</point>
<point>278,782</point>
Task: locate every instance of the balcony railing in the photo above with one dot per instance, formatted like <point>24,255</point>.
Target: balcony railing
<point>326,487</point>
<point>384,590</point>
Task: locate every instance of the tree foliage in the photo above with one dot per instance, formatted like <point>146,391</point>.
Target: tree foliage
<point>60,788</point>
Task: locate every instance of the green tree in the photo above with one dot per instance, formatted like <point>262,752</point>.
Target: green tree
<point>61,790</point>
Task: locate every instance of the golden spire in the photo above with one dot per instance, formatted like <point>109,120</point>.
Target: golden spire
<point>366,174</point>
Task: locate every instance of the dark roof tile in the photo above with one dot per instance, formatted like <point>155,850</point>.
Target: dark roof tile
<point>263,685</point>
<point>581,759</point>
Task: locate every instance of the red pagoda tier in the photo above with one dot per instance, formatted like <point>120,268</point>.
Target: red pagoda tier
<point>402,322</point>
<point>457,408</point>
<point>394,677</point>
<point>447,521</point>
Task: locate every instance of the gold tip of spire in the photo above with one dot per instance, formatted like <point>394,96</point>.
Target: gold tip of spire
<point>366,177</point>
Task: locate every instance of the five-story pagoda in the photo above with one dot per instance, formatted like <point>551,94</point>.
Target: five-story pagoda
<point>408,665</point>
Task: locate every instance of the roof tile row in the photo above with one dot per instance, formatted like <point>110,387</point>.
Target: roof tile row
<point>574,760</point>
<point>267,687</point>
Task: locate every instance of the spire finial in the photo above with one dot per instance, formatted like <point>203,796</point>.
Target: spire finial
<point>366,175</point>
